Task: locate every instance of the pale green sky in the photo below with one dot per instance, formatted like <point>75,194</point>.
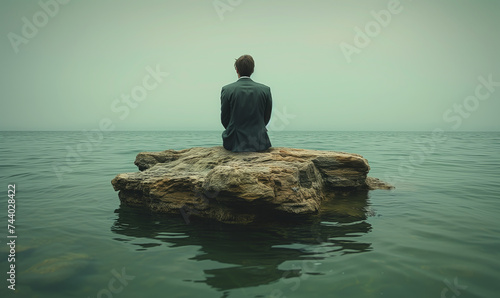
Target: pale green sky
<point>419,69</point>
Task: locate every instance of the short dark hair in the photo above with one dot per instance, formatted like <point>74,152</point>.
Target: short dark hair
<point>245,65</point>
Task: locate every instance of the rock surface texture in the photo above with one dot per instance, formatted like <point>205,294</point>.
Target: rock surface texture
<point>242,187</point>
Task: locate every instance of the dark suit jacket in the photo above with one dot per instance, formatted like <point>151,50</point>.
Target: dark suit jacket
<point>245,111</point>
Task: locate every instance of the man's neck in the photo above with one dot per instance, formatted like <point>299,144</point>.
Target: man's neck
<point>243,77</point>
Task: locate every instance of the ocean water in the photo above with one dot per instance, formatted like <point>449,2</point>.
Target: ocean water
<point>436,235</point>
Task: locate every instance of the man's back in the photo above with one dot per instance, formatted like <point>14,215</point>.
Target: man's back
<point>245,111</point>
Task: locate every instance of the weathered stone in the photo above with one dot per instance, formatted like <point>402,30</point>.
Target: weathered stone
<point>242,187</point>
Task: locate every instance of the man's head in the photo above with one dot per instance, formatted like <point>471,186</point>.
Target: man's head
<point>244,65</point>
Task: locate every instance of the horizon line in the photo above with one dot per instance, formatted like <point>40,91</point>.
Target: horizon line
<point>270,131</point>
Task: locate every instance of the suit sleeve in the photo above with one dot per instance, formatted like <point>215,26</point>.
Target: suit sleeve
<point>269,107</point>
<point>225,115</point>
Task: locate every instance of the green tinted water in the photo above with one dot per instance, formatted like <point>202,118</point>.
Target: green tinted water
<point>436,235</point>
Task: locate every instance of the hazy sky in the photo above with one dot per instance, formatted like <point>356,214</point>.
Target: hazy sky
<point>331,65</point>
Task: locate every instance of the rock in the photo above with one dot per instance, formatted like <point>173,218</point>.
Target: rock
<point>375,183</point>
<point>242,187</point>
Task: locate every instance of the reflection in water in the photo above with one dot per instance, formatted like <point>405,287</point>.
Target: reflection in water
<point>254,253</point>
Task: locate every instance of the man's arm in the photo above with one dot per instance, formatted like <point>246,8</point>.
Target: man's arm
<point>225,110</point>
<point>269,108</point>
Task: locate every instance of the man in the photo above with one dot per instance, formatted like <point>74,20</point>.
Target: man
<point>245,110</point>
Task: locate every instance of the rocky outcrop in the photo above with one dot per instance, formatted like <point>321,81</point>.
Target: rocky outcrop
<point>242,187</point>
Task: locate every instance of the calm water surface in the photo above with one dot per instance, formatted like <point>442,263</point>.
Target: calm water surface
<point>435,235</point>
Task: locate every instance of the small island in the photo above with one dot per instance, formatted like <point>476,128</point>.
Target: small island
<point>243,187</point>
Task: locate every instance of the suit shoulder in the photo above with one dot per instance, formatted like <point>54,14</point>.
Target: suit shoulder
<point>262,86</point>
<point>239,83</point>
<point>229,86</point>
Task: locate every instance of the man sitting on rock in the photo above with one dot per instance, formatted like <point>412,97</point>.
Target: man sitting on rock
<point>245,110</point>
